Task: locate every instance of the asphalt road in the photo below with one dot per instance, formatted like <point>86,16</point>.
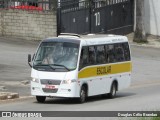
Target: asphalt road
<point>137,98</point>
<point>14,68</point>
<point>142,95</point>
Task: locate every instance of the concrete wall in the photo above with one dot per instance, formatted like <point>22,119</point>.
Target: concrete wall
<point>152,16</point>
<point>29,25</point>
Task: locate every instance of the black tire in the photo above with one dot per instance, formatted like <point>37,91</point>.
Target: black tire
<point>113,91</point>
<point>41,99</point>
<point>83,95</point>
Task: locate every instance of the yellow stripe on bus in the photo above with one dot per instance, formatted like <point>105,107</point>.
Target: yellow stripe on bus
<point>105,70</point>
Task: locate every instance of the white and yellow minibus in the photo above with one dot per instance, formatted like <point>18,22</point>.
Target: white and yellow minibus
<point>75,66</point>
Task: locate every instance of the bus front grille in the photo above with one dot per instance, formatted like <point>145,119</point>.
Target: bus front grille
<point>50,82</point>
<point>49,90</point>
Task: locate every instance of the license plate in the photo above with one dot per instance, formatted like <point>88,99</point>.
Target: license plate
<point>50,86</point>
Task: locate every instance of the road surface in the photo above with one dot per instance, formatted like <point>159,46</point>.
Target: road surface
<point>144,93</point>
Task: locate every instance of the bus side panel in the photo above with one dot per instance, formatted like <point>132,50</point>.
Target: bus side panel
<point>101,84</point>
<point>98,86</point>
<point>124,81</point>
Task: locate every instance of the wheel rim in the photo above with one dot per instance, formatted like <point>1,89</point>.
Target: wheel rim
<point>113,90</point>
<point>83,95</point>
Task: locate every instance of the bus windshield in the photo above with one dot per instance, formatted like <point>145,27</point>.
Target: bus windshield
<point>56,56</point>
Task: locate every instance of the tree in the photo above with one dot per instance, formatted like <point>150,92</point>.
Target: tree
<point>140,34</point>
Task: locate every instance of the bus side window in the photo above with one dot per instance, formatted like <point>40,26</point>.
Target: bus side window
<point>107,54</point>
<point>92,55</point>
<point>100,53</point>
<point>126,51</point>
<point>119,53</point>
<point>83,58</point>
<point>110,53</point>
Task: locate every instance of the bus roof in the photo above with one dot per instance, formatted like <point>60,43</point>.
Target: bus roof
<point>90,39</point>
<point>104,39</point>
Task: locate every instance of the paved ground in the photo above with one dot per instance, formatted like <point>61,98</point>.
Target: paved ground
<point>15,72</point>
<point>143,94</point>
<point>141,98</point>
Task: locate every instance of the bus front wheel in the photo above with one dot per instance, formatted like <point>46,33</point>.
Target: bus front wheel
<point>41,99</point>
<point>83,94</point>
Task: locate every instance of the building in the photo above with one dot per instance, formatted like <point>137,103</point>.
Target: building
<point>152,17</point>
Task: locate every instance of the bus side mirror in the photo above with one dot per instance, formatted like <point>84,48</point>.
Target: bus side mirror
<point>29,60</point>
<point>33,57</point>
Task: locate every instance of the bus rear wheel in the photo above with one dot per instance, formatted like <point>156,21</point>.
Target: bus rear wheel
<point>41,99</point>
<point>113,91</point>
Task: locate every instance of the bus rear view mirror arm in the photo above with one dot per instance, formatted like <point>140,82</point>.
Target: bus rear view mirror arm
<point>29,60</point>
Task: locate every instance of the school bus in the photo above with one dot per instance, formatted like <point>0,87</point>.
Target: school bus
<point>76,66</point>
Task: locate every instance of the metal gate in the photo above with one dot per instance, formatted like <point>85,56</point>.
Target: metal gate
<point>95,16</point>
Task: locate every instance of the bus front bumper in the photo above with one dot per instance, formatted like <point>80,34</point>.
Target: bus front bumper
<point>61,92</point>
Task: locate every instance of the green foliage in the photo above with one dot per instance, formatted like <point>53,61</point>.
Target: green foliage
<point>144,118</point>
<point>150,118</point>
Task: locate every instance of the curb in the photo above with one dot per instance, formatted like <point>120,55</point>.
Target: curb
<point>153,41</point>
<point>8,95</point>
<point>16,99</point>
<point>144,45</point>
<point>2,88</point>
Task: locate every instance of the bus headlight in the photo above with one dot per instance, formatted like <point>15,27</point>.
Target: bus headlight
<point>35,80</point>
<point>68,81</point>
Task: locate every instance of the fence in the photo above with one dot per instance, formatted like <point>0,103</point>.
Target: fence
<point>38,5</point>
<point>95,16</point>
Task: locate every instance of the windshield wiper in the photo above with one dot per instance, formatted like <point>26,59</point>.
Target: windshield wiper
<point>61,66</point>
<point>50,65</point>
<point>46,65</point>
